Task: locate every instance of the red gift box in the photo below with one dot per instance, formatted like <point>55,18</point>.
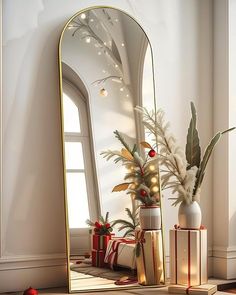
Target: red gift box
<point>98,258</point>
<point>100,242</point>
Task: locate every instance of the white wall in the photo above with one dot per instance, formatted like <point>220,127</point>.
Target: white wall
<point>32,216</point>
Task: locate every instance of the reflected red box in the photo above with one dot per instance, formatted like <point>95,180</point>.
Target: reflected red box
<point>100,242</point>
<point>98,258</point>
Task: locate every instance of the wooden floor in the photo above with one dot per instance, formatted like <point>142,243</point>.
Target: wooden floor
<point>146,291</point>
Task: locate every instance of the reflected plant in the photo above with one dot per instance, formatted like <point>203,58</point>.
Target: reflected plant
<point>130,225</point>
<point>102,226</point>
<point>142,176</point>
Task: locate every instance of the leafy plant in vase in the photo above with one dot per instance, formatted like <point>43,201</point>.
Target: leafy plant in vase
<point>142,181</point>
<point>181,172</point>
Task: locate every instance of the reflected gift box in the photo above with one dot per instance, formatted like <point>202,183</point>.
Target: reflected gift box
<point>121,252</point>
<point>98,258</point>
<point>188,257</point>
<point>150,265</point>
<point>100,242</point>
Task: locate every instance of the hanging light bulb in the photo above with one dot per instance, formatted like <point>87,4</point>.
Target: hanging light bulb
<point>83,16</point>
<point>121,89</point>
<point>122,44</point>
<point>103,92</point>
<point>87,39</point>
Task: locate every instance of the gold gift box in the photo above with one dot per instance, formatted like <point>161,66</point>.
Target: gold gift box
<point>188,257</point>
<point>205,289</point>
<point>150,265</point>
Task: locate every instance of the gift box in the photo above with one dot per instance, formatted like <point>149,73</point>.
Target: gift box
<point>205,289</point>
<point>100,241</point>
<point>188,257</point>
<point>98,258</point>
<point>150,265</point>
<point>121,252</point>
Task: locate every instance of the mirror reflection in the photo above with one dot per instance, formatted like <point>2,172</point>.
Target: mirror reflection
<point>106,70</point>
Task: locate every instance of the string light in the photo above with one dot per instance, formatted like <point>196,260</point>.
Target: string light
<point>154,180</point>
<point>121,89</point>
<point>87,39</point>
<point>155,189</point>
<point>103,92</point>
<point>122,44</point>
<point>99,53</point>
<point>83,16</point>
<point>151,167</point>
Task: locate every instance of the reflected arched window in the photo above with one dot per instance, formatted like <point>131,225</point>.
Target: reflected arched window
<point>79,171</point>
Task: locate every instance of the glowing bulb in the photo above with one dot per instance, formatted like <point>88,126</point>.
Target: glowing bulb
<point>83,16</point>
<point>116,20</point>
<point>127,95</point>
<point>121,89</point>
<point>155,189</point>
<point>122,44</point>
<point>116,66</point>
<point>99,53</point>
<point>151,167</point>
<point>103,92</point>
<point>105,43</point>
<point>91,20</point>
<point>88,39</point>
<point>153,180</point>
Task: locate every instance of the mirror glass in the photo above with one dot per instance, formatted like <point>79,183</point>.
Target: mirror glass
<point>105,71</point>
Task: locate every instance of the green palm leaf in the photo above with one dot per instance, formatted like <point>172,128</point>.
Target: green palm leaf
<point>193,150</point>
<point>206,157</point>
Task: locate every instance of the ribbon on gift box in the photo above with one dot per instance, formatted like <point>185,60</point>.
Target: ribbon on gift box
<point>202,227</point>
<point>112,256</point>
<point>100,241</point>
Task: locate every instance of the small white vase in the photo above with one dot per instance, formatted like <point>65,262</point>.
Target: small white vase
<point>150,217</point>
<point>190,215</point>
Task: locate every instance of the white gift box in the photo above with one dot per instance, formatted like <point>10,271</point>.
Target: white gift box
<point>188,257</point>
<point>121,252</point>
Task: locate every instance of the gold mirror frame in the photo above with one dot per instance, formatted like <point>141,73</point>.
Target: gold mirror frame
<point>64,166</point>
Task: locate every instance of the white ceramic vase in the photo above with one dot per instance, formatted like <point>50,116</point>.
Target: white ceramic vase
<point>150,217</point>
<point>190,215</point>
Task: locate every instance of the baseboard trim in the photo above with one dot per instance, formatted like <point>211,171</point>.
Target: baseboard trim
<point>224,252</point>
<point>28,262</point>
<point>18,273</point>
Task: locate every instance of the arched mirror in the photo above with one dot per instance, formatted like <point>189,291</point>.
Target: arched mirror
<point>106,70</point>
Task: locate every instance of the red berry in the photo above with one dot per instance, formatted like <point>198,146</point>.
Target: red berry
<point>107,225</point>
<point>143,193</point>
<point>152,153</point>
<point>98,225</point>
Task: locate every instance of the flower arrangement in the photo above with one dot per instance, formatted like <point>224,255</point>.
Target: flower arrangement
<point>142,171</point>
<point>181,172</point>
<point>102,226</point>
